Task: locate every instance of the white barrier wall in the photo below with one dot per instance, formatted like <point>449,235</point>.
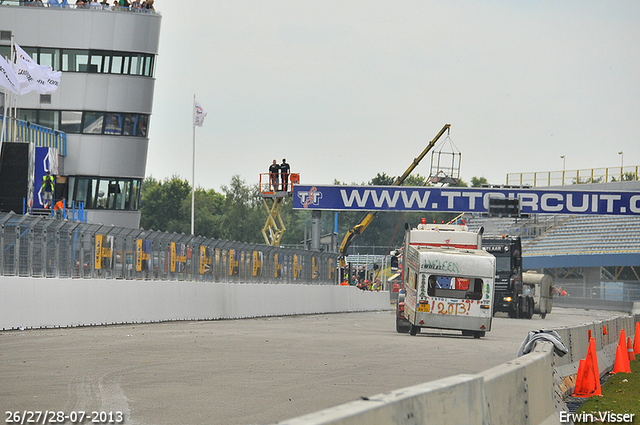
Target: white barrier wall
<point>42,303</point>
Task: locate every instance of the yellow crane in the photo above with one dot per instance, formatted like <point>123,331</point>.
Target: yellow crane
<point>368,218</point>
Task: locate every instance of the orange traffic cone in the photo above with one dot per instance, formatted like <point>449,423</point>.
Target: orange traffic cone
<point>622,361</point>
<point>588,378</point>
<point>623,340</point>
<point>579,389</point>
<point>604,329</point>
<point>636,339</point>
<point>594,366</point>
<point>632,356</point>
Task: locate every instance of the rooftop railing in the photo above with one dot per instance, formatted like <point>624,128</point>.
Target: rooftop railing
<point>66,5</point>
<point>568,177</point>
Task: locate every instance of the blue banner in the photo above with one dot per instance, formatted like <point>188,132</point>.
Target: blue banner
<point>464,199</point>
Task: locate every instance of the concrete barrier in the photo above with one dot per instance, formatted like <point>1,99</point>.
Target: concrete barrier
<point>451,400</point>
<point>528,390</point>
<point>518,392</point>
<point>44,303</point>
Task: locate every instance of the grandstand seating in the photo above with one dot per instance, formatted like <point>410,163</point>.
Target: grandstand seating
<point>569,235</point>
<point>589,235</point>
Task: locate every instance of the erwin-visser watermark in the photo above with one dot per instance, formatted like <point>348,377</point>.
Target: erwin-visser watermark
<point>606,416</point>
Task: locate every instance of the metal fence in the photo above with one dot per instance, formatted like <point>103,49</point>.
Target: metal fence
<point>568,177</point>
<point>47,247</point>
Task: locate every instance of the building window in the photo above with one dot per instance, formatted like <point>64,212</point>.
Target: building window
<point>50,57</point>
<point>70,121</point>
<point>29,115</point>
<point>47,118</point>
<point>113,124</point>
<point>142,126</point>
<point>95,63</point>
<point>89,122</point>
<point>93,122</point>
<point>106,193</point>
<point>116,64</point>
<point>91,61</point>
<point>75,60</point>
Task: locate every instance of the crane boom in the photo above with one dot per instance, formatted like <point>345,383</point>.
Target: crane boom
<point>368,218</point>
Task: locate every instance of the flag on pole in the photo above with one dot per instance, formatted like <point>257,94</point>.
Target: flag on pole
<point>198,113</point>
<point>32,76</point>
<point>8,78</point>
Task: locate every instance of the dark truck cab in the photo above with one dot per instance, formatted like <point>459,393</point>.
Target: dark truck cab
<point>511,296</point>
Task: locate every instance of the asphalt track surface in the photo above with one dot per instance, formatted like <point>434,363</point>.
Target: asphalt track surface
<point>253,371</point>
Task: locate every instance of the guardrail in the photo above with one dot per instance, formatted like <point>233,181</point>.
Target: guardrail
<point>528,390</point>
<point>45,247</point>
<point>567,177</point>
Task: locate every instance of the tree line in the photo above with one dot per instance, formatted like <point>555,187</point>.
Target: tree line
<point>238,213</point>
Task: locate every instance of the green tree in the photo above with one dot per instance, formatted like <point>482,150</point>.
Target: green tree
<point>209,212</point>
<point>162,205</point>
<point>244,216</point>
<point>382,180</point>
<point>415,180</point>
<point>478,182</point>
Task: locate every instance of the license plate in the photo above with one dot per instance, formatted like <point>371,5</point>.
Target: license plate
<point>423,308</point>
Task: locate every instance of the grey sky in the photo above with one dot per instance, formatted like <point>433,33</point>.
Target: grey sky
<point>347,89</point>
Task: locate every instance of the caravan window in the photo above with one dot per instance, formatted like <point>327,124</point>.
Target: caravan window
<point>455,287</point>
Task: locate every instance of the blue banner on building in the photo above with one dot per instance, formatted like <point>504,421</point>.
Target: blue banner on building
<point>464,199</point>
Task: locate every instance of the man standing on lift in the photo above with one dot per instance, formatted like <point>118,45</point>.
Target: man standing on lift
<point>284,174</point>
<point>273,175</point>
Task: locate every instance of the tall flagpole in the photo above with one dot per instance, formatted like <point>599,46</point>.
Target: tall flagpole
<point>193,168</point>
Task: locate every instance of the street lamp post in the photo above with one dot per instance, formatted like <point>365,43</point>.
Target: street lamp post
<point>563,164</point>
<point>621,164</point>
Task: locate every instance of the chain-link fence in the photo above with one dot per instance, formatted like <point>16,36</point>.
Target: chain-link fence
<point>46,247</point>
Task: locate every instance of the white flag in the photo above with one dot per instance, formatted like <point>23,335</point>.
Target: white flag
<point>8,78</point>
<point>52,80</point>
<point>198,113</point>
<point>32,76</point>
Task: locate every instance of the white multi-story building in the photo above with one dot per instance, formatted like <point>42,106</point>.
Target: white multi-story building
<point>107,58</point>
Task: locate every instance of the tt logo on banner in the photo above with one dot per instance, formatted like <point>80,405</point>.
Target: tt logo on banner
<point>312,197</point>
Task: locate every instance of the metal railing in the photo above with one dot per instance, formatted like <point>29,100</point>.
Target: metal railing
<point>568,177</point>
<point>23,131</point>
<point>62,4</point>
<point>46,247</point>
<point>610,291</point>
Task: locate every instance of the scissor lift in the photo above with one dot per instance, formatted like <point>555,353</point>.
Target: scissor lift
<point>272,200</point>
